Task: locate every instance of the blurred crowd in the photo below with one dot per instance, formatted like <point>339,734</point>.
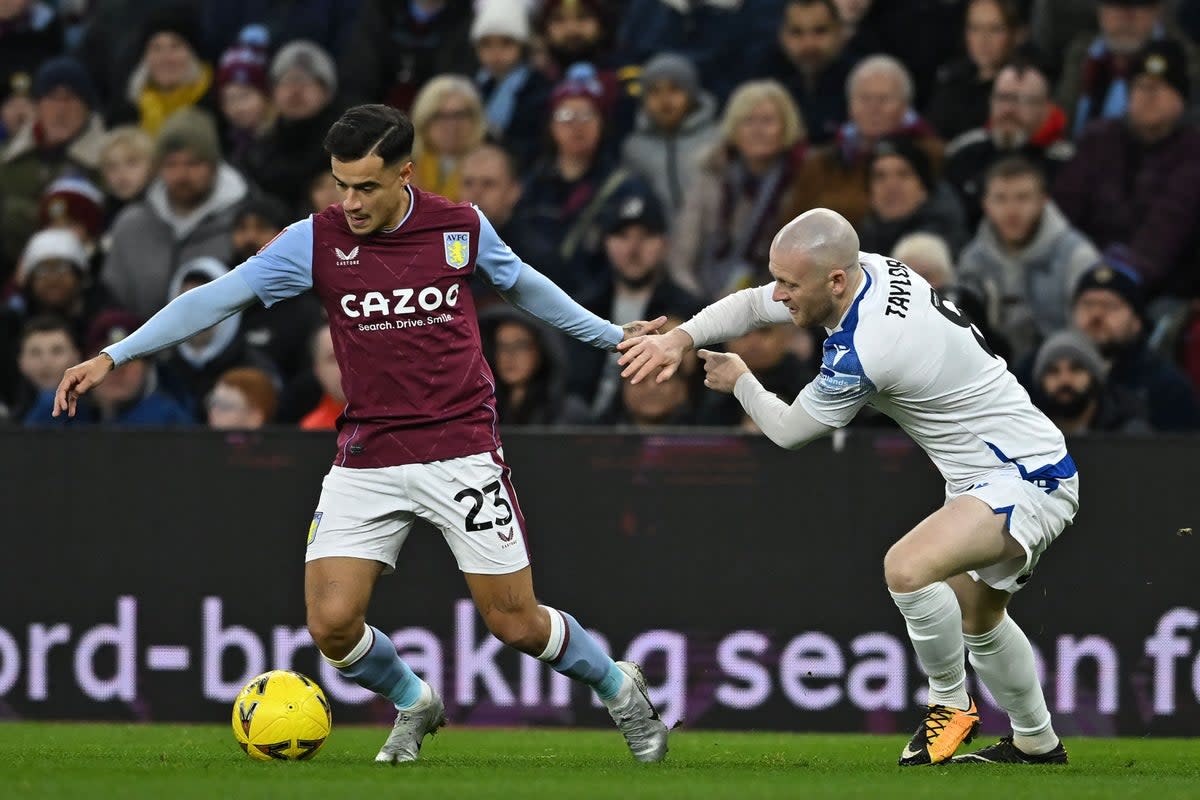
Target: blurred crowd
<point>1038,161</point>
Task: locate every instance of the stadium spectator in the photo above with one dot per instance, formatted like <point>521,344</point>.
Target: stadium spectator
<point>47,347</point>
<point>75,204</point>
<point>30,34</point>
<point>568,192</point>
<point>880,93</point>
<point>171,75</point>
<point>852,13</point>
<point>676,122</point>
<point>326,22</point>
<point>810,59</point>
<point>244,95</point>
<point>1098,70</point>
<point>491,181</point>
<point>1023,121</point>
<point>1070,388</point>
<point>111,46</point>
<point>574,32</point>
<point>767,353</point>
<point>329,376</point>
<point>721,237</point>
<point>527,361</point>
<point>1110,310</point>
<point>127,164</point>
<point>243,399</point>
<point>395,48</point>
<point>1026,255</point>
<point>961,88</point>
<point>187,213</point>
<point>128,397</point>
<point>929,256</point>
<point>920,34</point>
<point>448,122</point>
<point>650,404</point>
<point>193,367</point>
<point>1053,26</point>
<point>712,34</point>
<point>635,286</point>
<point>514,92</point>
<point>1136,181</point>
<point>16,105</point>
<point>63,137</point>
<point>322,191</point>
<point>283,159</point>
<point>282,332</point>
<point>54,278</point>
<point>904,198</point>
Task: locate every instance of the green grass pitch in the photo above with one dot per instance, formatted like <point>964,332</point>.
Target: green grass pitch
<point>177,762</point>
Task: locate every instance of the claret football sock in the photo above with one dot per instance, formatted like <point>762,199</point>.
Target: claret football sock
<point>573,652</point>
<point>374,664</point>
<point>1003,659</point>
<point>934,624</point>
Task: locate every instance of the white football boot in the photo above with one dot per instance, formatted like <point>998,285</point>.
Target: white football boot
<point>412,724</point>
<point>636,718</point>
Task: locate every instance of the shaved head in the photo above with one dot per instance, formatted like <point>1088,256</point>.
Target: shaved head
<point>823,238</point>
<point>814,260</point>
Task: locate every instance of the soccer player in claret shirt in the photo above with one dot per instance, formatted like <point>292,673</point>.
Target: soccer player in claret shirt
<point>418,437</point>
<point>1011,486</point>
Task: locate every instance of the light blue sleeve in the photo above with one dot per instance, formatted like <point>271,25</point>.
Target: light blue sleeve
<point>535,294</point>
<point>283,268</point>
<point>184,317</point>
<point>496,260</point>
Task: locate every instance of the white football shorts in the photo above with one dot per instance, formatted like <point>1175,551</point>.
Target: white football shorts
<point>368,513</point>
<point>1035,519</point>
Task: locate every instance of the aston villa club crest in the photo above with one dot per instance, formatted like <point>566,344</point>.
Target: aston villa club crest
<point>458,249</point>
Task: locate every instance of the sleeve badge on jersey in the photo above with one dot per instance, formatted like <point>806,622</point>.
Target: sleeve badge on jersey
<point>312,528</point>
<point>458,249</point>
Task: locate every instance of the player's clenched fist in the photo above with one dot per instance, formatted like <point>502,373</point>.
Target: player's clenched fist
<point>78,379</point>
<point>722,370</point>
<point>644,355</point>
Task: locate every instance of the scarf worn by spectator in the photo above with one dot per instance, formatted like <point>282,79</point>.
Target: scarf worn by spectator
<point>502,102</point>
<point>155,105</point>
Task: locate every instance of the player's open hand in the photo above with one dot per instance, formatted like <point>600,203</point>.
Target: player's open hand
<point>78,380</point>
<point>645,355</point>
<point>642,328</point>
<point>722,370</point>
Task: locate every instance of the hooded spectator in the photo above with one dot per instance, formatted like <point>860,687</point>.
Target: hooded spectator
<point>188,212</point>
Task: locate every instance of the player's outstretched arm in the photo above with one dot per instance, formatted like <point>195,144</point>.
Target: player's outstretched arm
<point>726,319</point>
<point>180,320</point>
<point>791,426</point>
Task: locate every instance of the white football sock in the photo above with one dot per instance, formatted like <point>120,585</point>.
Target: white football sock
<point>1003,659</point>
<point>934,624</point>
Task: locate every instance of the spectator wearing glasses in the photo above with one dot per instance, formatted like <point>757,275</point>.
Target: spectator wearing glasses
<point>1023,121</point>
<point>570,189</point>
<point>961,88</point>
<point>448,124</point>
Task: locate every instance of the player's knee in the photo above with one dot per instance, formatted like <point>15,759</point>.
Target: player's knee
<point>902,572</point>
<point>335,632</point>
<point>514,629</point>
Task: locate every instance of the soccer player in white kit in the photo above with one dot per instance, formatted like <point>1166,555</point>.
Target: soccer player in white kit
<point>1011,486</point>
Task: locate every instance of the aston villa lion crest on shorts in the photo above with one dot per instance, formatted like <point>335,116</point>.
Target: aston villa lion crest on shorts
<point>458,248</point>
